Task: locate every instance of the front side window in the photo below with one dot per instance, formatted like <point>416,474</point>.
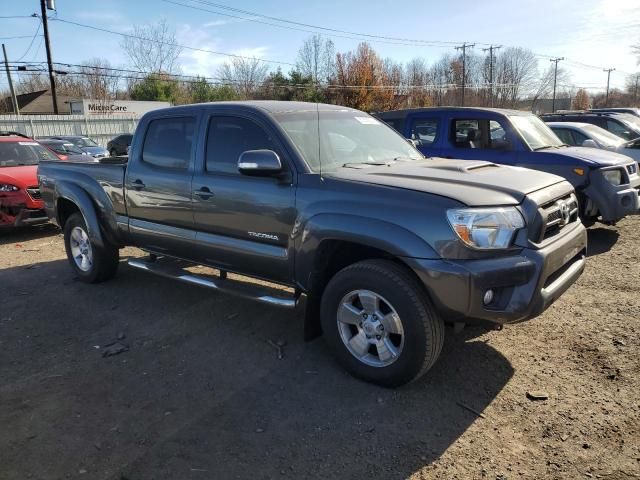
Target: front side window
<point>425,131</point>
<point>168,142</point>
<point>228,138</point>
<point>485,134</point>
<point>579,137</point>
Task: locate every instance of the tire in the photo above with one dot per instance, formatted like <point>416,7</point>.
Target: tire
<point>92,264</point>
<point>113,152</point>
<point>399,297</point>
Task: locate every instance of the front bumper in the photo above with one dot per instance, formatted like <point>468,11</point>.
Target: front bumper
<point>524,284</point>
<point>18,209</point>
<point>613,202</point>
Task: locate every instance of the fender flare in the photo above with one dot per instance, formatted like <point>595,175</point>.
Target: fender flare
<point>388,237</point>
<point>81,199</point>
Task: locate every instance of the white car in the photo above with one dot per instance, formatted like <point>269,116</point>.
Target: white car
<point>588,135</point>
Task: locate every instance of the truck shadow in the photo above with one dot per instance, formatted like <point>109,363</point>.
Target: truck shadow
<point>600,240</point>
<point>24,234</point>
<point>200,392</point>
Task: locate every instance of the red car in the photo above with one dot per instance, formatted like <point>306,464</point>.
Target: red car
<point>20,202</point>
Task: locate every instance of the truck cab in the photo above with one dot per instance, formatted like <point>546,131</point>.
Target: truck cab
<point>606,182</point>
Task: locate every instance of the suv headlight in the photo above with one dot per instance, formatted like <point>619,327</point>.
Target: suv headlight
<point>486,228</point>
<point>614,177</point>
<point>5,187</point>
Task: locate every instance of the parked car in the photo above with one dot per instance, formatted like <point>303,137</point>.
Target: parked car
<point>588,135</point>
<point>20,201</point>
<point>333,204</point>
<point>64,149</point>
<point>632,111</point>
<point>85,144</point>
<point>624,125</point>
<point>119,145</point>
<point>606,182</point>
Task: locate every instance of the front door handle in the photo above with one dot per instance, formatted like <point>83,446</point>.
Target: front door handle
<point>137,184</point>
<point>204,193</point>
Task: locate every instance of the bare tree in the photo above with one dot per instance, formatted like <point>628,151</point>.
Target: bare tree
<point>544,86</point>
<point>98,80</point>
<point>245,74</point>
<point>515,73</point>
<point>316,59</point>
<point>153,48</point>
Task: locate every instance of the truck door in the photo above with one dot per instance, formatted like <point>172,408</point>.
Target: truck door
<point>243,223</point>
<point>473,138</point>
<point>426,132</point>
<point>158,186</point>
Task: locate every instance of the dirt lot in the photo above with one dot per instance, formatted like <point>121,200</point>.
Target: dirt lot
<point>201,395</point>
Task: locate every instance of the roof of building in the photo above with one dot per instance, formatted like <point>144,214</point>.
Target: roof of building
<point>38,102</point>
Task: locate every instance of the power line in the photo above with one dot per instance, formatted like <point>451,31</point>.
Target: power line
<point>287,27</point>
<point>15,37</point>
<point>316,27</point>
<point>31,43</point>
<point>186,47</point>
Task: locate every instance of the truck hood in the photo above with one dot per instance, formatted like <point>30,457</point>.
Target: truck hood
<point>474,183</point>
<point>23,177</point>
<point>594,156</point>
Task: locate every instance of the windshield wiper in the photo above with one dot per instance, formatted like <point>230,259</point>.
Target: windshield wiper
<point>545,146</point>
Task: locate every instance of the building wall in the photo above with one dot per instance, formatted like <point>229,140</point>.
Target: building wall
<point>101,128</point>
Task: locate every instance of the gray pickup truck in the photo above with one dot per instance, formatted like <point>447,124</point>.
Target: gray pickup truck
<point>329,203</point>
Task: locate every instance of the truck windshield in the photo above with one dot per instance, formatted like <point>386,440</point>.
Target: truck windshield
<point>15,154</point>
<point>535,132</point>
<point>331,139</point>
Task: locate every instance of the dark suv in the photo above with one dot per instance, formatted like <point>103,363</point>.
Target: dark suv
<point>118,145</point>
<point>624,125</point>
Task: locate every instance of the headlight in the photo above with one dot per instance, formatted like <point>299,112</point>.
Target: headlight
<point>614,177</point>
<point>5,187</point>
<point>486,228</point>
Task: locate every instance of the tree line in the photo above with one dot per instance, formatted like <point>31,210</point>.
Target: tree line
<point>360,78</point>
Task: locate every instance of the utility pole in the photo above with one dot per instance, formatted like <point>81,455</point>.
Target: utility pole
<point>608,70</point>
<point>14,100</point>
<point>464,47</point>
<point>635,90</point>
<point>555,79</point>
<point>491,59</point>
<point>52,76</point>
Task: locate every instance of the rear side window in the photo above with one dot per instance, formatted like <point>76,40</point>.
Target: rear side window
<point>425,131</point>
<point>229,137</point>
<point>168,142</point>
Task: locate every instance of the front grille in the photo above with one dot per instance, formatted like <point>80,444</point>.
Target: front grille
<point>632,169</point>
<point>558,214</point>
<point>34,192</point>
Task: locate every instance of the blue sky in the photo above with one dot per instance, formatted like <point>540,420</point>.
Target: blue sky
<point>592,32</point>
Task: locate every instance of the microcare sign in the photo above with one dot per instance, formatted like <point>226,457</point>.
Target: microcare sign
<point>115,107</point>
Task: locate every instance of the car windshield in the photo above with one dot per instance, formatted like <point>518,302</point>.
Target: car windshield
<point>14,154</point>
<point>71,148</point>
<point>632,122</point>
<point>535,132</point>
<point>332,139</point>
<point>602,136</point>
<point>83,142</point>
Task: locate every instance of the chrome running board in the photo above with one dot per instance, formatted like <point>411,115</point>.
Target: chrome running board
<point>221,284</point>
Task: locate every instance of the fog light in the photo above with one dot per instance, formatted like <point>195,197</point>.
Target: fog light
<point>487,298</point>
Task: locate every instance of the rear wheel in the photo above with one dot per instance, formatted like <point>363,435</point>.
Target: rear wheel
<point>380,323</point>
<point>91,263</point>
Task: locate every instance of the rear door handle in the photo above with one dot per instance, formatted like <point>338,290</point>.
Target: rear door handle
<point>137,184</point>
<point>204,193</point>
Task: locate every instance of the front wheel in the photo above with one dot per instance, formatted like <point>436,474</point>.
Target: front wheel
<point>380,323</point>
<point>91,263</point>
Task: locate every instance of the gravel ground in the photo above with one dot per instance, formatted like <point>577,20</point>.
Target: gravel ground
<point>200,394</point>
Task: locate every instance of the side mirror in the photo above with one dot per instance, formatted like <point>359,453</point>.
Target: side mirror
<point>590,143</point>
<point>413,142</point>
<point>259,163</point>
